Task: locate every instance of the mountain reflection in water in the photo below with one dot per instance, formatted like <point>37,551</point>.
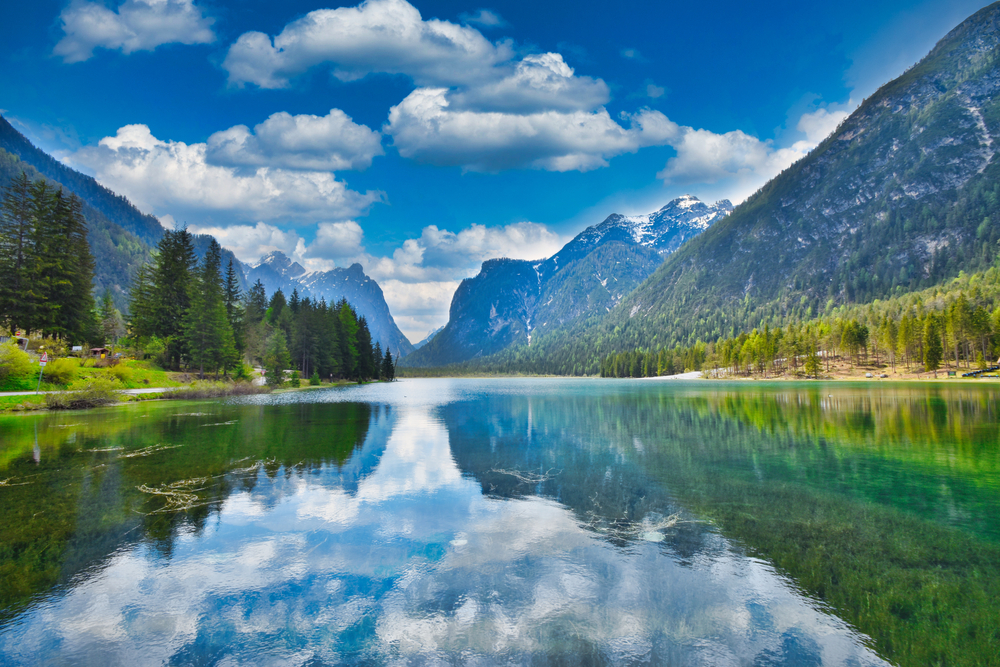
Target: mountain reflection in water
<point>550,522</point>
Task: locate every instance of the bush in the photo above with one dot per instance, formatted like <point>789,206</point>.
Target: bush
<point>96,392</point>
<point>295,382</point>
<point>14,363</point>
<point>208,389</point>
<point>60,371</point>
<point>120,372</point>
<point>243,373</point>
<point>314,380</point>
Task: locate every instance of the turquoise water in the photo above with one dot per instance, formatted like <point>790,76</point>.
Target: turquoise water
<point>508,522</point>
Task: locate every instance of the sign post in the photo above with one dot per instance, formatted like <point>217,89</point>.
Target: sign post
<point>41,363</point>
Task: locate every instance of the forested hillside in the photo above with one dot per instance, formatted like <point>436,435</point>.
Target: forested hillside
<point>902,196</point>
<point>120,235</point>
<point>117,252</point>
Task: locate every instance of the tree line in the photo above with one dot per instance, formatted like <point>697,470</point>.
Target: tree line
<point>193,315</point>
<point>958,324</point>
<point>46,269</point>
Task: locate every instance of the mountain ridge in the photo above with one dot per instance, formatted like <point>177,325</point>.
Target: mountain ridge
<point>511,301</point>
<point>276,271</point>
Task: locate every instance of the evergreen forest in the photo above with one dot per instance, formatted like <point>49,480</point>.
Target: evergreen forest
<point>193,315</point>
<point>46,269</point>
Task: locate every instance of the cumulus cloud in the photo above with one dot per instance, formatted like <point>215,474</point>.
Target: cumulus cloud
<point>542,82</point>
<point>137,25</point>
<point>305,142</point>
<point>820,124</point>
<point>736,157</point>
<point>425,128</point>
<point>483,17</point>
<point>161,176</point>
<point>419,308</point>
<point>386,36</point>
<point>336,241</point>
<point>418,278</point>
<point>439,254</point>
<point>250,242</point>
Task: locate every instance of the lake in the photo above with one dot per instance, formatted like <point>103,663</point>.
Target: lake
<point>509,521</point>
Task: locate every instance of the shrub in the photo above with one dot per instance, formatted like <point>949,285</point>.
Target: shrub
<point>120,372</point>
<point>295,382</point>
<point>60,371</point>
<point>14,363</point>
<point>96,392</point>
<point>314,380</point>
<point>243,373</point>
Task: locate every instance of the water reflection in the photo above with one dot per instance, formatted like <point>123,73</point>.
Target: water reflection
<point>424,522</point>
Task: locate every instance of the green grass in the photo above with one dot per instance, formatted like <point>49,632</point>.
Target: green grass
<point>18,403</point>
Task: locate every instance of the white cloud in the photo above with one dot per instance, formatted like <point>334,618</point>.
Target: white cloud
<point>250,242</point>
<point>707,157</point>
<point>305,142</point>
<point>137,25</point>
<point>419,308</point>
<point>386,36</point>
<point>740,160</point>
<point>654,91</point>
<point>484,17</point>
<point>161,176</point>
<point>819,124</point>
<point>542,82</point>
<point>336,240</point>
<point>418,278</point>
<point>425,128</point>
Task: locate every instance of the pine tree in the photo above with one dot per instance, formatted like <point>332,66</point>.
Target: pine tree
<point>17,299</point>
<point>141,306</point>
<point>366,370</point>
<point>112,327</point>
<point>208,335</point>
<point>348,339</point>
<point>76,314</point>
<point>388,366</point>
<point>933,349</point>
<point>172,277</point>
<point>276,358</point>
<point>234,306</point>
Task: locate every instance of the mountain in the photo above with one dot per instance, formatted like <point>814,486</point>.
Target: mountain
<point>427,338</point>
<point>119,234</point>
<point>276,271</point>
<point>903,195</point>
<point>512,301</point>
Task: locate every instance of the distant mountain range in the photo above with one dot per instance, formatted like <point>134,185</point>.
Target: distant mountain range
<point>276,271</point>
<point>512,301</point>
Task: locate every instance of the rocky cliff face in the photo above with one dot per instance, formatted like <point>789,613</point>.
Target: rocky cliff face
<point>511,301</point>
<point>276,271</point>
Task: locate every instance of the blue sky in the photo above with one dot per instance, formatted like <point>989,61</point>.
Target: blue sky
<point>421,139</point>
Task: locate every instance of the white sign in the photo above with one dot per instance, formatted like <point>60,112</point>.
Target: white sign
<point>78,348</point>
<point>44,360</point>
